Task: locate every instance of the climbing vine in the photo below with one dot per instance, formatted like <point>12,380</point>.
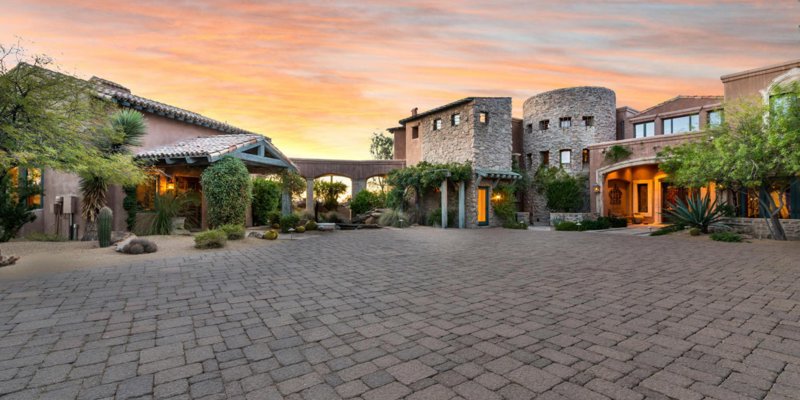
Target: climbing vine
<point>422,178</point>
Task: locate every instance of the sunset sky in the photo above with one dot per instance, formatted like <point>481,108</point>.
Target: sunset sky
<point>319,77</point>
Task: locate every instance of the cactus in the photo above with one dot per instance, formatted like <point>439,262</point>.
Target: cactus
<point>104,219</point>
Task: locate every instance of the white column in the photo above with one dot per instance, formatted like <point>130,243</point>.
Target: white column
<point>310,195</point>
<point>444,203</point>
<point>286,203</point>
<point>461,205</point>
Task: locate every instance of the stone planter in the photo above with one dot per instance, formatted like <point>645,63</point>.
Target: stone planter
<point>572,217</point>
<point>178,224</point>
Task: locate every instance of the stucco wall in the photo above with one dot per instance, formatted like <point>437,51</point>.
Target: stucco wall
<point>597,102</point>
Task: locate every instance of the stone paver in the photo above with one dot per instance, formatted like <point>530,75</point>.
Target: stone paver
<point>418,314</point>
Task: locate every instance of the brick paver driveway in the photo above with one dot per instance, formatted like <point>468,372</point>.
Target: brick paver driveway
<point>418,313</point>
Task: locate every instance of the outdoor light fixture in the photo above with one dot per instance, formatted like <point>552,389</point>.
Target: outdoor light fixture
<point>170,186</point>
<point>597,188</point>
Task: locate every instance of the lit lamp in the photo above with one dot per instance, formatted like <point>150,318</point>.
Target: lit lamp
<point>597,188</point>
<point>170,185</point>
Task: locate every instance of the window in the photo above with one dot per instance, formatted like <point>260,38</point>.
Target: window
<point>565,122</point>
<point>483,117</point>
<point>687,123</point>
<point>437,124</point>
<point>529,128</point>
<point>781,103</point>
<point>455,119</point>
<point>544,157</point>
<point>566,158</point>
<point>544,124</point>
<point>714,117</point>
<point>588,120</point>
<point>415,132</point>
<point>29,181</point>
<point>644,129</point>
<point>585,157</point>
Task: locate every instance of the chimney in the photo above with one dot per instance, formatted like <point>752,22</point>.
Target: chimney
<point>414,112</point>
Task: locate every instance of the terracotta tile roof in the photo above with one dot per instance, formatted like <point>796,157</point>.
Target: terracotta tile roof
<point>123,96</point>
<point>211,147</point>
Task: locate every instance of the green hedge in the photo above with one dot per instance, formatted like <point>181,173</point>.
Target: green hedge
<point>266,200</point>
<point>366,200</point>
<point>228,190</point>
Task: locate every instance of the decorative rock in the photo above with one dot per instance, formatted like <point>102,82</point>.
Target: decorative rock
<point>256,234</point>
<point>326,226</point>
<point>120,245</point>
<point>7,260</point>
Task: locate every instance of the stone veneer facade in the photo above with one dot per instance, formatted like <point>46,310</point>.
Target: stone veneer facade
<point>485,145</point>
<point>575,103</point>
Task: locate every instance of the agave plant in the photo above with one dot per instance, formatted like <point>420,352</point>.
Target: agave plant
<point>696,211</point>
<point>169,206</point>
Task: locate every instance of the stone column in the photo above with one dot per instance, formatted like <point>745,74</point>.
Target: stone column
<point>444,204</point>
<point>310,195</point>
<point>358,186</point>
<point>286,202</point>
<point>461,205</point>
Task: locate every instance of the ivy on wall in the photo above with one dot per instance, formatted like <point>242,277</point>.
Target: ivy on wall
<point>423,178</point>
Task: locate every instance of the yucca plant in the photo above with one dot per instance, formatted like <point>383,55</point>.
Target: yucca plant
<point>696,211</point>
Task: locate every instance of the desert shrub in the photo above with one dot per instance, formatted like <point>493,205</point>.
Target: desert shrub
<point>435,218</point>
<point>563,192</point>
<point>332,216</point>
<point>45,237</point>
<point>233,231</point>
<point>139,246</point>
<point>615,222</point>
<point>228,190</point>
<point>515,225</point>
<point>731,237</point>
<point>273,217</point>
<point>567,226</point>
<point>266,200</point>
<point>311,225</point>
<point>213,239</point>
<point>365,200</point>
<point>288,222</point>
<point>696,211</point>
<point>300,229</point>
<point>694,232</point>
<point>395,218</point>
<point>667,230</point>
<point>270,235</point>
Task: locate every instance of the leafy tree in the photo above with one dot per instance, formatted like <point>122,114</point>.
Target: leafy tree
<point>14,211</point>
<point>381,146</point>
<point>227,188</point>
<point>366,200</point>
<point>756,147</point>
<point>125,131</point>
<point>266,199</point>
<point>51,120</point>
<point>563,191</point>
<point>329,192</point>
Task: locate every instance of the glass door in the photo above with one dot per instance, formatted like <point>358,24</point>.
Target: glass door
<point>483,206</point>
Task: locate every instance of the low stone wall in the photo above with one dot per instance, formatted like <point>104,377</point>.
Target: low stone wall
<point>757,227</point>
<point>572,217</point>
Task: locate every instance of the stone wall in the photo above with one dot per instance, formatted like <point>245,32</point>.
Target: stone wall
<point>757,227</point>
<point>575,103</point>
<point>451,143</point>
<point>571,217</point>
<point>492,140</point>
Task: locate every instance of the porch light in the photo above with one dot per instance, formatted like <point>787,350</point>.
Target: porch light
<point>170,186</point>
<point>596,188</point>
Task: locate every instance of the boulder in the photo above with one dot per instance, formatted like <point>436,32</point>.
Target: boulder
<point>7,260</point>
<point>256,234</point>
<point>120,245</point>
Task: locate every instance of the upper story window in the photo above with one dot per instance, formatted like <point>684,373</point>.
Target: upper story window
<point>644,129</point>
<point>565,158</point>
<point>544,124</point>
<point>415,132</point>
<point>437,124</point>
<point>588,120</point>
<point>714,118</point>
<point>585,157</point>
<point>483,117</point>
<point>686,123</point>
<point>455,119</point>
<point>529,128</point>
<point>565,122</point>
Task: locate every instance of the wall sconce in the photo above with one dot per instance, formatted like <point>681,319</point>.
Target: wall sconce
<point>596,188</point>
<point>170,185</point>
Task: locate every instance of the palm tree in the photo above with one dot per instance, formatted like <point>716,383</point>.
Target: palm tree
<point>127,128</point>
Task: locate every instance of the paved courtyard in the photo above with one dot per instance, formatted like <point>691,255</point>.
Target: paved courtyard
<point>417,314</point>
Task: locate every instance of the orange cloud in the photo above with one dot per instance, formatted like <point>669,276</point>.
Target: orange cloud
<point>320,77</point>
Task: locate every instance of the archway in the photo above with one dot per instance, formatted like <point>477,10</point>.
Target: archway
<point>331,194</point>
